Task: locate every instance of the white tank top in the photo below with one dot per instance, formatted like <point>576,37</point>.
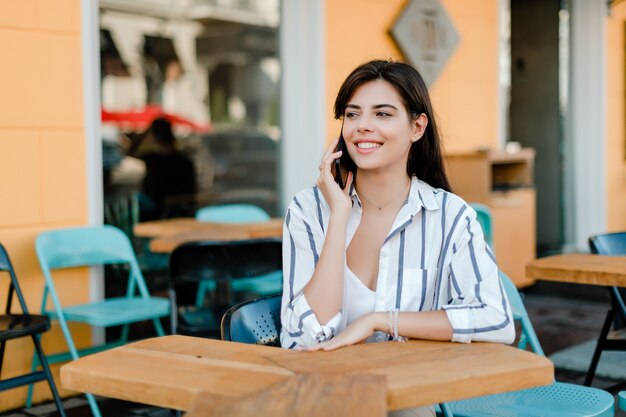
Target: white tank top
<point>358,299</point>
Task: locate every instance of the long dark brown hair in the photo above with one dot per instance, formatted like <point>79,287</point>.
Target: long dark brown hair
<point>425,157</point>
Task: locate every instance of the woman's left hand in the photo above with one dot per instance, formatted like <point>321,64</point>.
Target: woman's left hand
<point>356,332</point>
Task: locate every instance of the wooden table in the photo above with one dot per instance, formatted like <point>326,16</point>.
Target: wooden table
<point>591,269</point>
<point>580,268</point>
<point>168,234</point>
<point>172,371</point>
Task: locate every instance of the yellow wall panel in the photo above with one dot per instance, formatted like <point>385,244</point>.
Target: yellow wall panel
<point>64,183</point>
<point>42,156</point>
<point>615,118</point>
<point>19,78</point>
<point>20,177</point>
<point>18,14</point>
<point>60,100</point>
<point>61,15</point>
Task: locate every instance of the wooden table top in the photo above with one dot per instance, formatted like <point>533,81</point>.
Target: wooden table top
<point>580,268</point>
<point>171,371</point>
<point>170,233</point>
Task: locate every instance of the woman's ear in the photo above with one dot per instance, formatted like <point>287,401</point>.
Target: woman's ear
<point>419,126</point>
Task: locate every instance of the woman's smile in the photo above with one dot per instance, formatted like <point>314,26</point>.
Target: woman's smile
<point>366,146</point>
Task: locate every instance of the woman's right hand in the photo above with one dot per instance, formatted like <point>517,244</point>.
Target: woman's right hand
<point>338,199</point>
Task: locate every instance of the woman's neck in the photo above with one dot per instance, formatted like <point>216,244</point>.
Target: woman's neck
<point>382,190</point>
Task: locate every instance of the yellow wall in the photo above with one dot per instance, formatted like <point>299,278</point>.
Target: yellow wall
<point>465,93</point>
<point>42,153</point>
<point>615,115</point>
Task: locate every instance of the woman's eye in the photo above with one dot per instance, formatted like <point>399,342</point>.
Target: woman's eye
<point>383,114</point>
<point>351,115</point>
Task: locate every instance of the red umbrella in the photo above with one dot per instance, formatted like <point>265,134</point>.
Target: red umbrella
<point>139,120</point>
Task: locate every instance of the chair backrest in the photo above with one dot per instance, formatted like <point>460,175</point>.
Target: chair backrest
<point>5,265</point>
<point>88,246</point>
<point>195,261</point>
<point>612,244</point>
<point>232,213</point>
<point>483,216</point>
<point>256,321</point>
<point>528,335</point>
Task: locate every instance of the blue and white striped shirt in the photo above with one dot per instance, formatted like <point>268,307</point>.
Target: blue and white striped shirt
<point>434,258</point>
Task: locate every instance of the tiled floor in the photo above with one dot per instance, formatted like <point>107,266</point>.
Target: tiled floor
<point>561,314</point>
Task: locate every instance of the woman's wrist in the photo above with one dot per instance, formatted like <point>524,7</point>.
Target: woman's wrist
<point>379,322</point>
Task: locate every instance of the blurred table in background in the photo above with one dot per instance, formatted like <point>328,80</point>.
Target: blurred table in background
<point>168,234</point>
<point>580,268</point>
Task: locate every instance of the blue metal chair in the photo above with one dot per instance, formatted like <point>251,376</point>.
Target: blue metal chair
<point>90,246</point>
<point>622,400</point>
<point>558,399</point>
<point>483,215</point>
<point>17,325</point>
<point>611,244</point>
<point>232,213</point>
<point>255,322</point>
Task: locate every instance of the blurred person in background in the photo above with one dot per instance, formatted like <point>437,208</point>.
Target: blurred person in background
<point>170,174</point>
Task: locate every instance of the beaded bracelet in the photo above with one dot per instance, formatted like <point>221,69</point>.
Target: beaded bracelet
<point>396,337</point>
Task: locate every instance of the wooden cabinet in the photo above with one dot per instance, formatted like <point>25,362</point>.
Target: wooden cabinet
<point>504,183</point>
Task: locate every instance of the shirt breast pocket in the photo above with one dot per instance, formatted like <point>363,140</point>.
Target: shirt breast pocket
<point>417,290</point>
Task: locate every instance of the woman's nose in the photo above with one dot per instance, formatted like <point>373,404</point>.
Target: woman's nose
<point>364,125</point>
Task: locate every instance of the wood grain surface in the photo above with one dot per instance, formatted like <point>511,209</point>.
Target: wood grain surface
<point>304,396</point>
<point>172,371</point>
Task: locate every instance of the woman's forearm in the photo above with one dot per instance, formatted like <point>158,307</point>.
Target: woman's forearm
<point>324,292</point>
<point>429,325</point>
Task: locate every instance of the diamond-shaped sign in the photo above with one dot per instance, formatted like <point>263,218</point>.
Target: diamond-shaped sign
<point>426,36</point>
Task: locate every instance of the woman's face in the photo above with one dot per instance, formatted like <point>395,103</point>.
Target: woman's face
<point>377,128</point>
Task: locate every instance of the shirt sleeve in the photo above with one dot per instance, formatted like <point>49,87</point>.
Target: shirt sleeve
<point>479,309</point>
<point>302,242</point>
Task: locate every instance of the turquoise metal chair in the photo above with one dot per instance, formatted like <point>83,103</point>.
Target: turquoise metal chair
<point>239,213</point>
<point>622,400</point>
<point>483,215</point>
<point>91,246</point>
<point>558,399</point>
<point>232,213</point>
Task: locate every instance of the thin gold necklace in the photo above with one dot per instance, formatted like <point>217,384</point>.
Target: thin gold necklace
<point>381,207</point>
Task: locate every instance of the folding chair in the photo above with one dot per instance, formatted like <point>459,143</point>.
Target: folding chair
<point>558,399</point>
<point>14,326</point>
<point>90,246</point>
<point>612,244</point>
<point>216,267</point>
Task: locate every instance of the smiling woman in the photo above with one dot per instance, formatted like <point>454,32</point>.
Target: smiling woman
<point>394,254</point>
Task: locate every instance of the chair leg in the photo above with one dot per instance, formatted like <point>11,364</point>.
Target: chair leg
<point>158,327</point>
<point>1,355</point>
<point>33,368</point>
<point>46,370</point>
<point>610,315</point>
<point>93,404</point>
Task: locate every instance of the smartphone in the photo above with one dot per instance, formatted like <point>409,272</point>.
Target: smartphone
<point>340,173</point>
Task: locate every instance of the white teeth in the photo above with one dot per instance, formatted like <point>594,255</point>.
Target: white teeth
<point>368,145</point>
